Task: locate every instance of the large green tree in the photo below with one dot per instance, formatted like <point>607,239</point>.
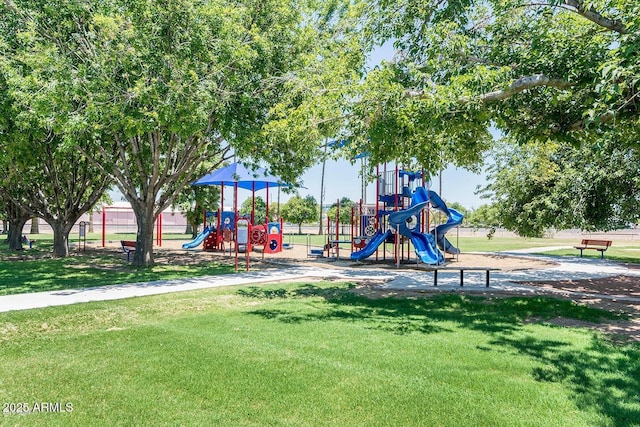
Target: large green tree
<point>43,176</point>
<point>300,210</point>
<point>15,215</point>
<point>538,186</point>
<point>559,70</point>
<point>56,182</point>
<point>256,205</point>
<point>161,86</point>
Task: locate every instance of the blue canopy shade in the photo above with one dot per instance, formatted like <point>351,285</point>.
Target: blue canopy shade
<point>245,178</point>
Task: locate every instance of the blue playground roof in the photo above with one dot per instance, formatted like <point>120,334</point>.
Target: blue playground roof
<point>248,179</point>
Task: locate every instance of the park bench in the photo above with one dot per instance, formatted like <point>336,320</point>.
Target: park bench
<point>128,246</point>
<point>436,269</point>
<point>598,245</point>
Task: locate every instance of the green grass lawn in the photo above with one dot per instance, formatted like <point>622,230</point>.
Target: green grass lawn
<point>89,270</point>
<point>315,355</point>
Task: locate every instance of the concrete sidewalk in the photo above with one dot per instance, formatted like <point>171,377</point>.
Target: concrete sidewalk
<point>401,279</point>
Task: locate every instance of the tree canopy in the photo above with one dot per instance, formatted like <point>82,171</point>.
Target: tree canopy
<point>300,210</point>
<point>562,73</point>
<point>541,186</point>
<point>158,87</point>
<point>44,177</point>
<point>559,70</point>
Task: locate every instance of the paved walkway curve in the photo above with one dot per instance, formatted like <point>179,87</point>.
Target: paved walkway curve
<point>572,268</point>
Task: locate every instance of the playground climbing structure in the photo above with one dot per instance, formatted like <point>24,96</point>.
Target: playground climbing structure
<point>402,215</point>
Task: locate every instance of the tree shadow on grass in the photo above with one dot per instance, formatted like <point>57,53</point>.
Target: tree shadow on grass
<point>411,314</point>
<point>89,271</point>
<point>604,377</point>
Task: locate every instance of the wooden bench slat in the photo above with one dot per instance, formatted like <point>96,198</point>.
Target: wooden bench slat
<point>595,244</point>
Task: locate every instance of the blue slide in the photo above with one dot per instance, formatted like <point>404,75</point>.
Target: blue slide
<point>425,243</point>
<point>405,220</point>
<point>454,219</point>
<point>375,241</point>
<point>420,195</point>
<point>198,240</point>
<point>425,247</point>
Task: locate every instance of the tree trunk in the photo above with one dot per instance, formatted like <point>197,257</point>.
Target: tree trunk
<point>15,233</point>
<point>194,220</point>
<point>61,230</point>
<point>90,222</point>
<point>5,226</point>
<point>143,255</point>
<point>300,228</point>
<point>35,225</point>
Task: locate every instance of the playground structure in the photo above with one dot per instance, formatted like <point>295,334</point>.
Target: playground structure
<point>224,229</point>
<point>228,228</point>
<point>401,217</point>
<point>213,235</point>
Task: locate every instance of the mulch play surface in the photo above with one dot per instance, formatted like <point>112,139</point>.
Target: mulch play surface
<point>624,286</point>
